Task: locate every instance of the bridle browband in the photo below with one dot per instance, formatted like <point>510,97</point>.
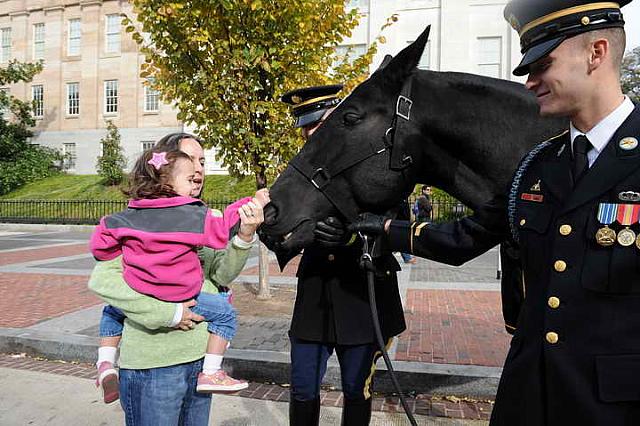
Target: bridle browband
<point>322,175</point>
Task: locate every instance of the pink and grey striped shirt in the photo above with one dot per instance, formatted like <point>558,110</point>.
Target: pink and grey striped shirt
<point>158,240</point>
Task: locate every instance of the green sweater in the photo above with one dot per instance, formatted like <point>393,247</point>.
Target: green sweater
<point>146,340</point>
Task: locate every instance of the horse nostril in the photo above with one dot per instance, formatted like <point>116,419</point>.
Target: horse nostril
<point>270,214</point>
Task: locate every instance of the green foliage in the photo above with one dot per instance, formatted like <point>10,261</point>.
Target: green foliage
<point>92,187</point>
<point>225,65</point>
<point>112,162</point>
<point>20,162</point>
<point>631,75</point>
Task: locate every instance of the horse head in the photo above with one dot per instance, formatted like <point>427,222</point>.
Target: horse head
<point>459,132</point>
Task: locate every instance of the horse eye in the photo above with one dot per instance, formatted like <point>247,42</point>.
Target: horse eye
<point>351,118</point>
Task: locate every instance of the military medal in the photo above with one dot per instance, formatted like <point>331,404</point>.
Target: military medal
<point>627,214</point>
<point>606,215</point>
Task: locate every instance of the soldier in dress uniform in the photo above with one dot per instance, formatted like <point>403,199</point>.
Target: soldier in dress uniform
<point>332,311</point>
<point>572,212</point>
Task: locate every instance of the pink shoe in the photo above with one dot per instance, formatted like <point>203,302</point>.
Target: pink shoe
<point>108,380</point>
<point>219,382</point>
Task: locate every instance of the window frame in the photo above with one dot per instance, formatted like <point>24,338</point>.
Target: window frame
<point>483,63</point>
<point>71,37</point>
<point>5,49</point>
<point>70,104</point>
<point>105,109</point>
<point>70,164</point>
<point>108,34</point>
<point>38,108</point>
<point>154,95</point>
<point>37,43</point>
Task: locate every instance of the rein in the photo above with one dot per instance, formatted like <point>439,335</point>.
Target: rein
<point>322,176</point>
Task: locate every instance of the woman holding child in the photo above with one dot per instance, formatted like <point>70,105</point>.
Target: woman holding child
<point>162,381</point>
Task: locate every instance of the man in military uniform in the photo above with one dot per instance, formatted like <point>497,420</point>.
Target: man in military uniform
<point>332,310</point>
<point>573,211</point>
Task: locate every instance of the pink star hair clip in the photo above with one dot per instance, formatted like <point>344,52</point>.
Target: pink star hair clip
<point>159,159</point>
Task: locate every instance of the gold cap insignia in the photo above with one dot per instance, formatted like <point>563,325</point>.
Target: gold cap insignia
<point>628,143</point>
<point>296,99</point>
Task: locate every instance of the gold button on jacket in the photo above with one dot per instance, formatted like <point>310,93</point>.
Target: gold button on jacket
<point>553,302</point>
<point>565,230</point>
<point>331,257</point>
<point>552,337</point>
<point>523,221</point>
<point>560,265</point>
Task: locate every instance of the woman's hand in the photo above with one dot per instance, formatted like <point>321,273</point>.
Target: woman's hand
<point>189,319</point>
<point>252,215</point>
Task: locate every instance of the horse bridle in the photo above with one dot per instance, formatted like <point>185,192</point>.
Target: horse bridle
<point>321,176</point>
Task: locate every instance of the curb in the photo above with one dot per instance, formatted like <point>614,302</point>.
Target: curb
<point>270,366</point>
<point>38,227</point>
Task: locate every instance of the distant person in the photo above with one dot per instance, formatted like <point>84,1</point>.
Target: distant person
<point>157,236</point>
<point>424,207</point>
<point>404,214</point>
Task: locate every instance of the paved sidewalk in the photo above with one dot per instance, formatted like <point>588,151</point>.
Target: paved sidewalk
<point>455,343</point>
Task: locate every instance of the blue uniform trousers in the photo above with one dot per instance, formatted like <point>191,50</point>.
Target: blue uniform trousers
<point>309,364</point>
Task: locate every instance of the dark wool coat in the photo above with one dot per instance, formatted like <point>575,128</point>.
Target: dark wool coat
<point>575,355</point>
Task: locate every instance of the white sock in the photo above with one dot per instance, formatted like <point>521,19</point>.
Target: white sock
<point>212,363</point>
<point>107,353</point>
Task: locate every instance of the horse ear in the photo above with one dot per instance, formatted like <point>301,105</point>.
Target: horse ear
<point>407,60</point>
<point>385,62</point>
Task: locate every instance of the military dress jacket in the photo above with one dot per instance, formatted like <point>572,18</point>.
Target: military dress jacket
<point>332,301</point>
<point>575,355</point>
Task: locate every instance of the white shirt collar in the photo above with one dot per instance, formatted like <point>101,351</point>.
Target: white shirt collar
<point>602,132</point>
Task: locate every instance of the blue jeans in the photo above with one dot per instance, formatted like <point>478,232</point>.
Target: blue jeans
<point>309,365</point>
<point>215,308</point>
<point>164,396</point>
<point>406,257</point>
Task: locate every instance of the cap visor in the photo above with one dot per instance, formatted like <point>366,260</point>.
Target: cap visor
<point>535,53</point>
<point>309,118</point>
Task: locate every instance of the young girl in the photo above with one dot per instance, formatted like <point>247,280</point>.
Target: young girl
<point>158,236</point>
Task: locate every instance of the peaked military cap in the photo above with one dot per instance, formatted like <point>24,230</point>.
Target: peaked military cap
<point>310,103</point>
<point>544,24</point>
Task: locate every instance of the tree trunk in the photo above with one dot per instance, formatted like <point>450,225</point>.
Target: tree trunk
<point>263,273</point>
<point>263,254</point>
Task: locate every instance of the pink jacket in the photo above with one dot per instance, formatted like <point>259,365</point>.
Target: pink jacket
<point>158,240</point>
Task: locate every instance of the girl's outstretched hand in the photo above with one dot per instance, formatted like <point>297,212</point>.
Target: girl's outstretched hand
<point>252,216</point>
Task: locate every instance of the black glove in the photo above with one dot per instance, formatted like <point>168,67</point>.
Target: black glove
<point>331,232</point>
<point>369,224</point>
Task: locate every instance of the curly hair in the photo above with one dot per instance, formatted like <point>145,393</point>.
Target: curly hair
<point>145,181</point>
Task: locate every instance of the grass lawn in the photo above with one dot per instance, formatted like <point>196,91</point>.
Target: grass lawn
<point>88,187</point>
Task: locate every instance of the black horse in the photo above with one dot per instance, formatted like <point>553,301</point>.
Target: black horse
<point>462,133</point>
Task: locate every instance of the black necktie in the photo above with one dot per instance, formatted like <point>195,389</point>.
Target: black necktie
<point>581,146</point>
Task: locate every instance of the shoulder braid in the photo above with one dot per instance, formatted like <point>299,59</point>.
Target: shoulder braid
<point>517,180</point>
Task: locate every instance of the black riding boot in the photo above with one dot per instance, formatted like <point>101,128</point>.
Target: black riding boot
<point>304,413</point>
<point>356,413</point>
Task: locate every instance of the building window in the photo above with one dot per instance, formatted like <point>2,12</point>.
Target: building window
<point>75,37</point>
<point>37,97</point>
<point>111,97</point>
<point>73,98</point>
<point>5,45</point>
<point>69,151</point>
<point>112,34</point>
<point>351,51</point>
<point>145,145</point>
<point>151,98</point>
<point>38,41</point>
<point>6,93</point>
<point>490,56</point>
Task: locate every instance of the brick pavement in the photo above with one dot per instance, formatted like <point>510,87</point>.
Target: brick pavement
<point>453,327</point>
<point>444,326</point>
<point>420,404</point>
<point>11,257</point>
<point>27,299</point>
